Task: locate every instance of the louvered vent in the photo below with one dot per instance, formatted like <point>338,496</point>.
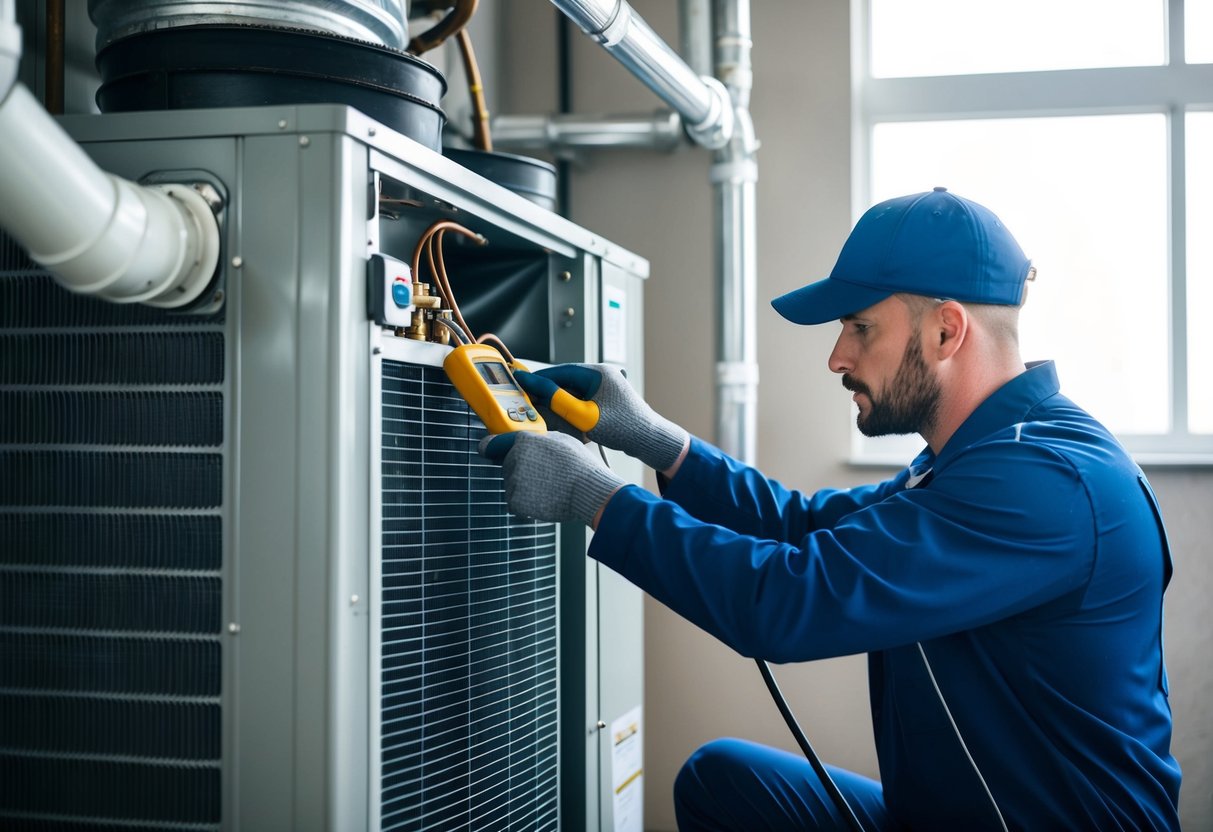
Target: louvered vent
<point>111,489</point>
<point>469,707</point>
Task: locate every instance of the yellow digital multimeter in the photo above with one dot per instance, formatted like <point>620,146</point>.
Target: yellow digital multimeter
<point>484,380</point>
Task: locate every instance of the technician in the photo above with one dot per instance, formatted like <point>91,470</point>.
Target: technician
<point>1007,586</point>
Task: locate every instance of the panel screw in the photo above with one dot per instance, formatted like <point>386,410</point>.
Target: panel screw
<point>304,141</point>
<point>281,124</point>
<point>353,600</point>
<point>237,261</point>
<point>208,192</point>
<point>566,276</point>
<point>233,628</point>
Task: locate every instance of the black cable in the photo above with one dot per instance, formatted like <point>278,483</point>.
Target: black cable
<point>839,801</point>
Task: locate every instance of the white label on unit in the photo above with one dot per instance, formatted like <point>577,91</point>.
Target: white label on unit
<point>627,772</point>
<point>614,325</point>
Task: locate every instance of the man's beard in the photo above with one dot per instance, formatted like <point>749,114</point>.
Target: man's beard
<point>911,403</point>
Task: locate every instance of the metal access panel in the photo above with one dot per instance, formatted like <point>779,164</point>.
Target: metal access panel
<point>255,575</point>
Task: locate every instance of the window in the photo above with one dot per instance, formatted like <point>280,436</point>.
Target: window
<point>1088,128</point>
<point>965,37</point>
<point>1198,28</point>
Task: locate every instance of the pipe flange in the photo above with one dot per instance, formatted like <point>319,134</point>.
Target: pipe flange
<point>716,129</point>
<point>202,258</point>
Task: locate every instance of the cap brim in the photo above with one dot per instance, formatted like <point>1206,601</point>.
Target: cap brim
<point>827,300</point>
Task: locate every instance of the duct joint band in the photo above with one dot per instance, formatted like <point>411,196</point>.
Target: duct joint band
<point>614,32</point>
<point>736,171</point>
<point>717,127</point>
<point>737,373</point>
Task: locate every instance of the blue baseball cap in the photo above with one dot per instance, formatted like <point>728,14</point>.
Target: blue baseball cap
<point>935,244</point>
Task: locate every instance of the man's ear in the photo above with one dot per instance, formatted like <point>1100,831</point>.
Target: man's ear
<point>951,321</point>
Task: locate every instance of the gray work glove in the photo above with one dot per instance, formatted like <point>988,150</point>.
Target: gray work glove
<point>551,476</point>
<point>595,400</point>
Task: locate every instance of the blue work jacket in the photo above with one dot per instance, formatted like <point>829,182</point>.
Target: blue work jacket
<point>1028,559</point>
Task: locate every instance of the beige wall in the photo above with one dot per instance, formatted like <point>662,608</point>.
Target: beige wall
<point>660,205</point>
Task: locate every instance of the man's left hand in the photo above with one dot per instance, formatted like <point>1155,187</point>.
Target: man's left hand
<point>551,476</point>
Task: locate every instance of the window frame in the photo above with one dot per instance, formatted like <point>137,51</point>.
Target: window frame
<point>1172,89</point>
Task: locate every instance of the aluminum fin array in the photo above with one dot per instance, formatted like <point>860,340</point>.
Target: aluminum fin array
<point>469,672</point>
<point>111,498</point>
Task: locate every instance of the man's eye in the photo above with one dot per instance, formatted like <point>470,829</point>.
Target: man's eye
<point>862,329</point>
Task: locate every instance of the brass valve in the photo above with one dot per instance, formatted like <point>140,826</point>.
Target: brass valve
<point>426,305</point>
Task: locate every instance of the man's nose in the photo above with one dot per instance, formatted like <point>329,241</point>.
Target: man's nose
<point>840,360</point>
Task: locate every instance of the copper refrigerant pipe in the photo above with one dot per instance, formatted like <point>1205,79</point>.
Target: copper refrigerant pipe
<point>55,39</point>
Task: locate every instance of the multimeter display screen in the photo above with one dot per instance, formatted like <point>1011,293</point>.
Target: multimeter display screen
<point>495,373</point>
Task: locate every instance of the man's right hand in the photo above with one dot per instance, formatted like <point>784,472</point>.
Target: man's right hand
<point>624,421</point>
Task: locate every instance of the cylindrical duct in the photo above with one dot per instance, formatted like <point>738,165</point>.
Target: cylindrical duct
<point>382,22</point>
<point>99,234</point>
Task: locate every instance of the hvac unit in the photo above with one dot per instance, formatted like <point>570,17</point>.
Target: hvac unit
<point>254,574</point>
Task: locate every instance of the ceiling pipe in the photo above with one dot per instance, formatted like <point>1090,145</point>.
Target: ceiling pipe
<point>734,176</point>
<point>97,233</point>
<point>701,101</point>
<point>658,131</point>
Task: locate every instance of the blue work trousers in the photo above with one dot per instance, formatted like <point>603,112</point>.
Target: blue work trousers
<point>732,784</point>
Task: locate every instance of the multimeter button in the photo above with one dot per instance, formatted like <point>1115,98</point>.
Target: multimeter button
<point>515,415</point>
<point>532,414</point>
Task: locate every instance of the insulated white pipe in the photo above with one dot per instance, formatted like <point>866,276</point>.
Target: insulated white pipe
<point>97,233</point>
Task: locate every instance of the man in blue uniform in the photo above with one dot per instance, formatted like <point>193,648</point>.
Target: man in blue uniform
<point>1007,586</point>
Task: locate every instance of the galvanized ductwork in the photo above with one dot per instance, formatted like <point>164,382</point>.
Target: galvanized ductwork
<point>166,55</point>
<point>383,22</point>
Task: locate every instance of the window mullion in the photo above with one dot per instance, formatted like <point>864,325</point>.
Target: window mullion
<point>1063,92</point>
<point>1178,257</point>
<point>1176,45</point>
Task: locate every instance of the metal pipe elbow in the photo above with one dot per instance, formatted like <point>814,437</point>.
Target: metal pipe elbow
<point>716,129</point>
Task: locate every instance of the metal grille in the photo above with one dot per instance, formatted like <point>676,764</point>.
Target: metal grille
<point>469,672</point>
<point>111,490</point>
